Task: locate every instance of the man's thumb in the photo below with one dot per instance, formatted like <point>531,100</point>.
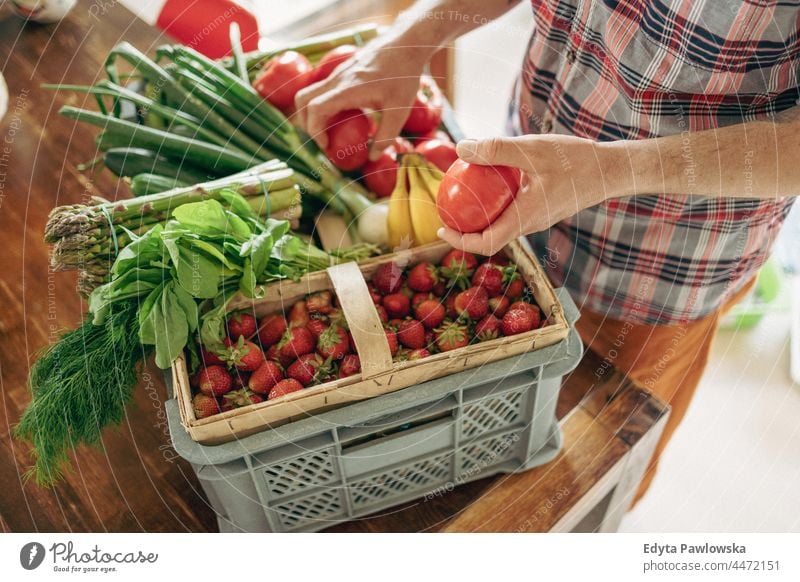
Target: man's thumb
<point>491,152</point>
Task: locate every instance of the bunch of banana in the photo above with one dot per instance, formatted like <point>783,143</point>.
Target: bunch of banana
<point>413,219</point>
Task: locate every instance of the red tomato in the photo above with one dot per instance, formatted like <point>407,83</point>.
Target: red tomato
<point>471,197</point>
<point>282,77</point>
<point>441,154</point>
<point>331,60</point>
<point>426,112</point>
<point>380,175</point>
<point>348,137</point>
<point>435,134</point>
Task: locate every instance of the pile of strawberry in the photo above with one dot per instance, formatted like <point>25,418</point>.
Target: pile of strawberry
<point>462,300</point>
<point>428,309</point>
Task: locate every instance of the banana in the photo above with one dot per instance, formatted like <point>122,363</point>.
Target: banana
<point>401,231</point>
<point>424,216</point>
<point>432,176</point>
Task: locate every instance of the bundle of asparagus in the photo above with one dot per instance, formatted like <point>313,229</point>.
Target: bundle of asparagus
<point>88,238</point>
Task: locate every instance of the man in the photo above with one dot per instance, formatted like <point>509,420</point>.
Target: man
<point>659,141</point>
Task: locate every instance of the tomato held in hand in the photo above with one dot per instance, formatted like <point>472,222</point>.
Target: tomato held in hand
<point>348,136</point>
<point>282,77</point>
<point>331,60</point>
<point>471,197</point>
<point>441,154</point>
<point>380,175</point>
<point>426,112</point>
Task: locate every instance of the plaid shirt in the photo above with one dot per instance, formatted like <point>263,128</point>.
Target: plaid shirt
<point>634,69</point>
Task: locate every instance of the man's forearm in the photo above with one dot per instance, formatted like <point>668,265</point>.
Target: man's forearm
<point>431,24</point>
<point>757,159</point>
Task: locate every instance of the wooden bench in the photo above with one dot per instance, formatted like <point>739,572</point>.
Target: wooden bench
<point>135,482</point>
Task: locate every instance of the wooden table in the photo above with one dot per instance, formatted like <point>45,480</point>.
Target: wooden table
<point>134,482</point>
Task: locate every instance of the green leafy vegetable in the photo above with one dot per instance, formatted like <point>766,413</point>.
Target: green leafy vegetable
<point>79,385</point>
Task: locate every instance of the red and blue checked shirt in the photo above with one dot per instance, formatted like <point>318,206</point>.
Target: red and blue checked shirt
<point>635,69</point>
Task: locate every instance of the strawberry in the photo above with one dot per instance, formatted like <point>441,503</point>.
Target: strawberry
<point>298,316</point>
<point>376,296</point>
<point>210,358</point>
<point>205,406</point>
<point>309,369</point>
<point>225,406</point>
<point>350,366</point>
<point>262,380</point>
<point>273,353</point>
<point>519,321</point>
<point>515,288</point>
<point>431,313</point>
<point>388,278</point>
<point>451,336</point>
<point>487,328</point>
<point>439,289</point>
<point>270,329</point>
<point>430,338</point>
<point>397,305</point>
<point>525,306</point>
<point>490,277</point>
<point>407,291</point>
<point>499,305</point>
<point>393,324</point>
<point>411,334</point>
<point>240,398</point>
<point>239,379</point>
<point>382,315</point>
<point>284,387</point>
<point>418,354</point>
<point>423,277</point>
<point>498,259</point>
<point>317,327</point>
<point>294,343</point>
<point>320,302</point>
<point>391,337</point>
<point>450,305</point>
<point>419,298</point>
<point>214,381</point>
<point>472,303</point>
<point>243,355</point>
<point>241,325</point>
<point>333,343</point>
<point>457,267</point>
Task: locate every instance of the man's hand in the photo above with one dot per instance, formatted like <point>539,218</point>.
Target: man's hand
<point>561,175</point>
<point>384,75</point>
<point>382,78</point>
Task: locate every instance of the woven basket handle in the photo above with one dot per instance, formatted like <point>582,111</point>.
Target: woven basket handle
<point>362,318</point>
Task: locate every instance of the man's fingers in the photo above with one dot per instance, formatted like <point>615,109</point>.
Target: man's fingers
<point>391,123</point>
<point>502,151</point>
<point>301,101</point>
<point>450,236</point>
<point>501,232</point>
<point>318,112</point>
